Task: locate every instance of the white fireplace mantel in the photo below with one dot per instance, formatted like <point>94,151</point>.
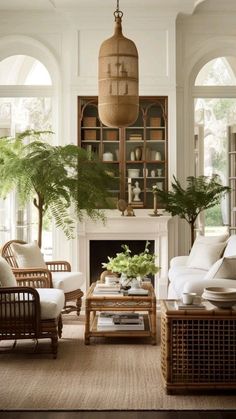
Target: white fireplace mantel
<point>118,227</point>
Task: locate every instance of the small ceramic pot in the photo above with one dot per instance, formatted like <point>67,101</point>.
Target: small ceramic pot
<point>107,156</point>
<point>133,173</point>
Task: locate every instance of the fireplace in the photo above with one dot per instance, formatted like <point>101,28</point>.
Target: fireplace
<point>100,249</point>
<point>122,229</point>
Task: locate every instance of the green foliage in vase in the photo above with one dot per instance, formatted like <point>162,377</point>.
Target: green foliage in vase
<point>132,265</point>
<point>201,193</point>
<point>63,181</point>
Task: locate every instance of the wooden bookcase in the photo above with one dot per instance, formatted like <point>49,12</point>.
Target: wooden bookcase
<point>138,152</point>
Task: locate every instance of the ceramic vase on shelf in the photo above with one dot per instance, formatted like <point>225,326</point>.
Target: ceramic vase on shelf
<point>138,153</point>
<point>132,155</point>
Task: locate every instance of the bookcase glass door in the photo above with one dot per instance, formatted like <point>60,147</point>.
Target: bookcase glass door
<point>136,156</point>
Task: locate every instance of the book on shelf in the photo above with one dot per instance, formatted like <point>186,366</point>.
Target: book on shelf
<point>107,324</point>
<point>179,305</point>
<point>135,137</point>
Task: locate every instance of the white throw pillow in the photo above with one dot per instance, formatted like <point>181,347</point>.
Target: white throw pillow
<point>7,278</point>
<point>203,255</point>
<point>212,239</point>
<point>223,268</point>
<point>230,249</point>
<point>28,255</point>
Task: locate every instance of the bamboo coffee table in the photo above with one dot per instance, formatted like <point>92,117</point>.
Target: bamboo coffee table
<point>198,348</point>
<point>119,303</point>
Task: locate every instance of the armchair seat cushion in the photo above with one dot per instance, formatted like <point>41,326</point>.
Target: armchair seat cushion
<point>67,281</point>
<point>52,302</point>
<point>179,276</point>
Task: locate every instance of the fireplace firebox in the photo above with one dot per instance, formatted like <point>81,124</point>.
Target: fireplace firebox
<point>117,230</point>
<point>99,250</point>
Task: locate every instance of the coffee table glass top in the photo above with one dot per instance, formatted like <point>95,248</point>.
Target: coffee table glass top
<point>123,293</point>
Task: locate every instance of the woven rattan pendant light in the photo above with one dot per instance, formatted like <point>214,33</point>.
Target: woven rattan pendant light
<point>118,78</point>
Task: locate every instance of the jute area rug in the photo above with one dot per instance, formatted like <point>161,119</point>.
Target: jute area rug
<point>108,374</point>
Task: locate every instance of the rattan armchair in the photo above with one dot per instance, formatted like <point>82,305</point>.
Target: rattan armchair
<point>48,273</point>
<point>23,317</point>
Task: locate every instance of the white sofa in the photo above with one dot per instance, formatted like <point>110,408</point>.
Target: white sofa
<point>212,262</point>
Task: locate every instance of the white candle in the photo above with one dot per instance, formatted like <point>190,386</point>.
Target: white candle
<point>155,202</point>
<point>129,191</point>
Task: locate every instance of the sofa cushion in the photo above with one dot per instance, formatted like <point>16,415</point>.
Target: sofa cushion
<point>67,281</point>
<point>52,302</point>
<point>180,277</point>
<point>178,271</point>
<point>178,261</point>
<point>28,255</point>
<point>7,278</point>
<point>203,255</point>
<point>223,268</point>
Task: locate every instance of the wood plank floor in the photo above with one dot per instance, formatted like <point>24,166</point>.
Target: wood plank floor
<point>181,414</point>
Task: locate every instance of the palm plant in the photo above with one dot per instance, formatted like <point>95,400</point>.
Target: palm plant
<point>59,180</point>
<point>201,193</point>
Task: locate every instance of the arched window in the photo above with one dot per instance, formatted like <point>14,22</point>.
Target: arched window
<point>218,72</point>
<point>25,103</point>
<point>23,70</point>
<point>215,113</point>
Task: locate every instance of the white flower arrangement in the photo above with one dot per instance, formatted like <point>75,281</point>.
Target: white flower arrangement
<point>132,266</point>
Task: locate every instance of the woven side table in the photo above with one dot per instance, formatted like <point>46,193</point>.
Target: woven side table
<point>198,348</point>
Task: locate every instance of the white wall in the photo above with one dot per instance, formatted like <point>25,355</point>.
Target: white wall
<point>68,44</point>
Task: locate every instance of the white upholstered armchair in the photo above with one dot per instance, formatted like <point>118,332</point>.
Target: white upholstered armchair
<point>27,260</point>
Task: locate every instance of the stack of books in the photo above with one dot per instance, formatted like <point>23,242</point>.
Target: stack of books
<point>110,321</point>
<point>104,289</point>
<point>179,305</point>
<point>135,137</point>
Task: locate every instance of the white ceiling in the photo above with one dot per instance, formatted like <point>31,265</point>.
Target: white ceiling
<point>46,5</point>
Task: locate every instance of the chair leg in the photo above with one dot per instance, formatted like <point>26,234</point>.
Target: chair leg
<point>78,305</point>
<point>60,326</point>
<point>54,345</point>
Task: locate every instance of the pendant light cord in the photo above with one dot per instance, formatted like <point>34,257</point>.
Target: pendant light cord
<point>118,12</point>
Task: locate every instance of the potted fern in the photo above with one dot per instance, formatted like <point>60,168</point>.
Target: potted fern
<point>56,179</point>
<point>201,193</point>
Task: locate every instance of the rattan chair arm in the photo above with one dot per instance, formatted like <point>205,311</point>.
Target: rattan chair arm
<point>33,281</point>
<point>30,272</point>
<point>58,266</point>
<point>23,300</point>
